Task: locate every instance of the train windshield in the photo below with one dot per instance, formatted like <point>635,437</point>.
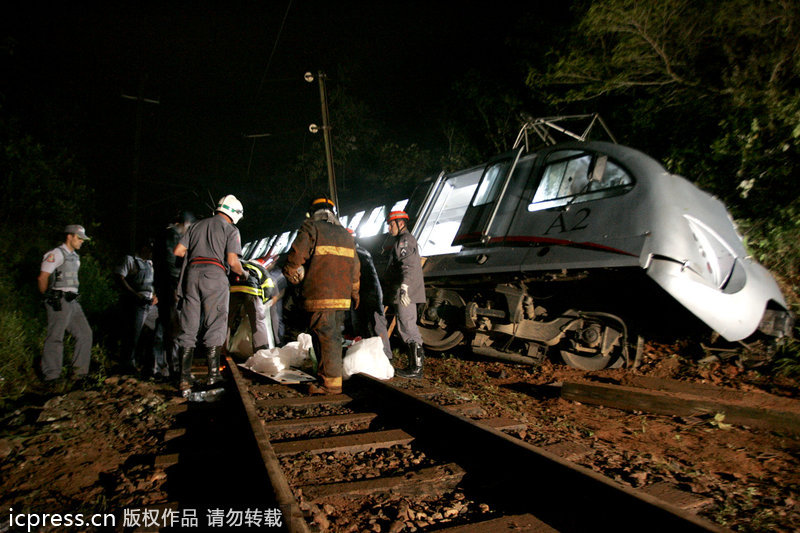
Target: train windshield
<point>492,179</point>
<point>573,176</point>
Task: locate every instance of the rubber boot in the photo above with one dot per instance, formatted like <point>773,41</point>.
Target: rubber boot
<point>327,386</point>
<point>186,356</point>
<point>416,357</point>
<point>214,376</point>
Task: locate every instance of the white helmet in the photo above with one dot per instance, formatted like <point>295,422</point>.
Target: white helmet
<point>231,206</point>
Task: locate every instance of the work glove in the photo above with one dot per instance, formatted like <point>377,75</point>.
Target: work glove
<point>294,276</point>
<point>404,299</point>
<point>356,299</point>
<point>245,275</point>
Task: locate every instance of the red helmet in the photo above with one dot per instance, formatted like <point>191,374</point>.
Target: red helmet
<point>396,215</point>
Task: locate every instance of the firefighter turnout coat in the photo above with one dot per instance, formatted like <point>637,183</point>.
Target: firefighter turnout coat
<point>258,284</point>
<point>332,268</point>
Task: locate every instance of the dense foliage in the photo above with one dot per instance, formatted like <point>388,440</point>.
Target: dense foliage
<point>711,88</point>
<point>42,191</point>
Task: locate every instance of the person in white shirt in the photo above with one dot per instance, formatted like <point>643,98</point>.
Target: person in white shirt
<point>58,282</point>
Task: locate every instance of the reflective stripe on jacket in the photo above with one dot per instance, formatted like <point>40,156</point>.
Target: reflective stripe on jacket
<point>328,254</point>
<point>258,284</point>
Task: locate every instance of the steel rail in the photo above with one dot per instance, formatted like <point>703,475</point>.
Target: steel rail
<point>551,483</point>
<point>527,480</point>
<point>294,521</point>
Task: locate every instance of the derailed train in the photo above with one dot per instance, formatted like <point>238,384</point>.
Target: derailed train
<point>573,249</point>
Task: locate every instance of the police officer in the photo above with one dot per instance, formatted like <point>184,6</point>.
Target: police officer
<point>405,289</point>
<point>252,294</point>
<point>58,282</point>
<point>330,280</point>
<point>209,248</point>
<point>136,277</point>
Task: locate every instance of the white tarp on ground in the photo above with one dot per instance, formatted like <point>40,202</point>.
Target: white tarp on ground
<point>367,357</point>
<point>273,360</point>
<point>282,364</point>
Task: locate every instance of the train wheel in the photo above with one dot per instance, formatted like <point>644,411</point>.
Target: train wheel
<point>599,341</point>
<point>440,319</point>
<point>591,362</point>
<point>439,340</point>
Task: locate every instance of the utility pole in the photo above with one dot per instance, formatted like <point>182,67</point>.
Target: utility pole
<point>137,145</point>
<point>326,132</point>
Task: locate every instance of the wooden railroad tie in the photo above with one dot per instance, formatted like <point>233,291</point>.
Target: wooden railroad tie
<point>682,403</point>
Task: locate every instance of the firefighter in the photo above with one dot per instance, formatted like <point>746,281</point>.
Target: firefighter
<point>252,294</point>
<point>323,258</point>
<point>136,277</point>
<point>405,288</point>
<point>210,248</point>
<point>58,282</point>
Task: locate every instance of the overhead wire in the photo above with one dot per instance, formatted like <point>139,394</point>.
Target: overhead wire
<point>274,47</point>
<point>264,76</point>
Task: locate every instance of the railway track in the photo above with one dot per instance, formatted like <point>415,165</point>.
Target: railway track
<point>381,458</point>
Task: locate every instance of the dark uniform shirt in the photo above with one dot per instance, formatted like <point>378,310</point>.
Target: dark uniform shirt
<point>212,238</point>
<point>405,266</point>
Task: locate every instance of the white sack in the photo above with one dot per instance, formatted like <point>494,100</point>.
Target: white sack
<point>266,362</point>
<point>295,353</point>
<point>367,357</point>
<point>241,340</point>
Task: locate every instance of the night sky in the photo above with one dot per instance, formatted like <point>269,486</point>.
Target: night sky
<point>221,70</point>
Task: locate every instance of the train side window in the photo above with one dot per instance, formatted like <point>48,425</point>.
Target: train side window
<point>269,246</point>
<point>441,225</point>
<point>282,243</point>
<point>574,177</point>
<point>373,224</point>
<point>490,184</point>
<point>292,237</point>
<point>355,221</point>
<point>614,181</point>
<point>260,248</point>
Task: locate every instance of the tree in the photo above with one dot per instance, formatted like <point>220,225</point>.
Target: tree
<point>719,79</point>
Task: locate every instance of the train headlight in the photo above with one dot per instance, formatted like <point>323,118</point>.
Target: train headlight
<point>717,259</point>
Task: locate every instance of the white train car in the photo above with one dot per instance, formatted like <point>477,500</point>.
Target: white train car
<point>572,249</point>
